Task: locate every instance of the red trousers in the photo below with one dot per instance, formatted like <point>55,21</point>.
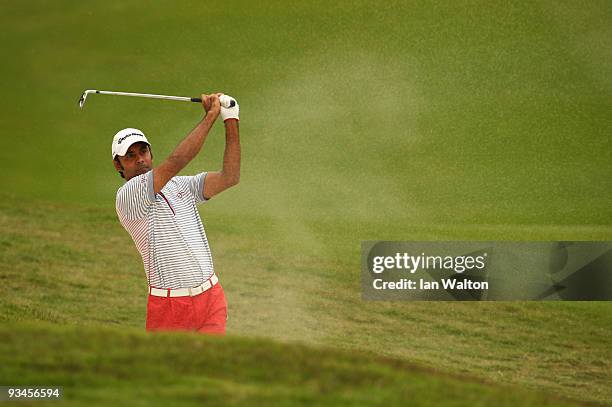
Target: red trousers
<point>204,313</point>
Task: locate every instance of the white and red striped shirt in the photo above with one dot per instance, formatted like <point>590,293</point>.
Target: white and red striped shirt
<point>167,229</point>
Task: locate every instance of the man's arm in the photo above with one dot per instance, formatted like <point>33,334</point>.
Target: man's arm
<point>189,147</point>
<point>218,181</point>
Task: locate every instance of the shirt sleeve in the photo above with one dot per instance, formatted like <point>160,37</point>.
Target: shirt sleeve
<point>195,184</point>
<point>136,197</point>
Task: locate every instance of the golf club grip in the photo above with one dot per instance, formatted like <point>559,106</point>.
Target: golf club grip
<point>199,100</point>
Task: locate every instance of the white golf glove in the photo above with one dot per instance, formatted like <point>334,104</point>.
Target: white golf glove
<point>229,112</point>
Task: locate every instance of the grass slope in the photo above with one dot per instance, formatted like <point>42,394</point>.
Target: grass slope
<point>75,265</point>
<point>100,366</point>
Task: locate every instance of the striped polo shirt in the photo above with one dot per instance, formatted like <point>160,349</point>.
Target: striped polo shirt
<point>167,229</point>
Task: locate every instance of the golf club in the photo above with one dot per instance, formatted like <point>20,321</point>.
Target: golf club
<point>225,102</point>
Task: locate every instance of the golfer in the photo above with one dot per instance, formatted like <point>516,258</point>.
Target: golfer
<point>158,209</point>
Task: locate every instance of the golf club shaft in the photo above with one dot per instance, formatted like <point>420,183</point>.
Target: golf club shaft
<point>148,95</point>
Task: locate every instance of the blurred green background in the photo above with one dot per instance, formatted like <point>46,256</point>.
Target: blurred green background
<point>398,113</point>
<point>424,120</point>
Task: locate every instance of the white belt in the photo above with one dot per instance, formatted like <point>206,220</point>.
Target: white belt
<point>184,292</point>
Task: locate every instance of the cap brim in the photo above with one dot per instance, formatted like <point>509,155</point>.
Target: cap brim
<point>125,147</point>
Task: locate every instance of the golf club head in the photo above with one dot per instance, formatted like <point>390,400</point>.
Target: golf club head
<point>84,97</point>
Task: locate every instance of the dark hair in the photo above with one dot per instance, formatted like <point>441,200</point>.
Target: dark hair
<point>119,162</point>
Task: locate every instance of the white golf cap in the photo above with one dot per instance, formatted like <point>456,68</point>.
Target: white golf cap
<point>125,138</point>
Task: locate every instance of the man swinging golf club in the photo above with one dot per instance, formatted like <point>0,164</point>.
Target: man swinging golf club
<point>158,209</point>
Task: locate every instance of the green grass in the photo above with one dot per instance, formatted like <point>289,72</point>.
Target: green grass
<point>59,269</point>
<point>424,120</point>
<point>166,369</point>
<point>434,112</point>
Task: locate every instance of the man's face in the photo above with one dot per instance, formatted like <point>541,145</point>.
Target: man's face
<point>136,161</point>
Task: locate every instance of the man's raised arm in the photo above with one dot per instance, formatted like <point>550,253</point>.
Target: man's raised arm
<point>218,181</point>
<point>190,146</point>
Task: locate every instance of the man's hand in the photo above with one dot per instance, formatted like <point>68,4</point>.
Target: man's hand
<point>229,112</point>
<point>212,105</point>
